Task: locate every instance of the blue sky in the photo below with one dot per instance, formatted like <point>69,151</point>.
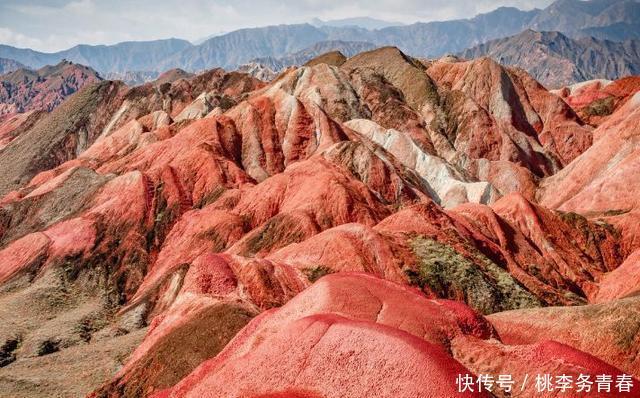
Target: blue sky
<point>51,25</point>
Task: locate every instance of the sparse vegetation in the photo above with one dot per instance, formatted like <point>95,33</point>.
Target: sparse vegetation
<point>615,212</point>
<point>601,107</point>
<point>277,232</point>
<point>450,274</point>
<point>48,346</point>
<point>317,272</point>
<point>7,351</point>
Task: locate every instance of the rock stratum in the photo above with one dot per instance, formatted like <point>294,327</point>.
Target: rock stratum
<point>371,226</point>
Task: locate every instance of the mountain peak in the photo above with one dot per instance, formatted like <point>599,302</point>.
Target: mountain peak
<point>43,89</point>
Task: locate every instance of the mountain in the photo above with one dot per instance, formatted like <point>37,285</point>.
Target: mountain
<point>438,38</point>
<point>606,19</point>
<point>203,39</point>
<point>347,48</point>
<point>617,20</point>
<point>360,22</point>
<point>556,60</point>
<point>378,220</point>
<point>121,57</point>
<point>44,89</point>
<point>235,48</point>
<point>9,65</point>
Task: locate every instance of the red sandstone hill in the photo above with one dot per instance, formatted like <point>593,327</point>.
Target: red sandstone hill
<point>44,89</point>
<point>596,100</point>
<point>367,228</point>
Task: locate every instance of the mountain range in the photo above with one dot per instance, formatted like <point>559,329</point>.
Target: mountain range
<point>122,57</point>
<point>604,19</point>
<point>372,226</point>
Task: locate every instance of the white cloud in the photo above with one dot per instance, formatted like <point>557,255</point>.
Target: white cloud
<point>7,36</point>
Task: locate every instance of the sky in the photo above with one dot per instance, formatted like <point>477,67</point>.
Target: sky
<point>53,25</point>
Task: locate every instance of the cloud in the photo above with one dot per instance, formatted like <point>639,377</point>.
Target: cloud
<point>7,36</point>
<point>57,24</point>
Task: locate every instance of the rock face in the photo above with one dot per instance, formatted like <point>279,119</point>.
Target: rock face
<point>556,60</point>
<point>376,338</point>
<point>370,227</point>
<point>25,90</point>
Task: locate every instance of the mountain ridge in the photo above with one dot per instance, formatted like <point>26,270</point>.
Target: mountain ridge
<point>617,20</point>
<point>43,89</point>
<point>556,59</point>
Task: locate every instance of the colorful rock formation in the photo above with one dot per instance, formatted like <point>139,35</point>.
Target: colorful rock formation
<point>375,227</point>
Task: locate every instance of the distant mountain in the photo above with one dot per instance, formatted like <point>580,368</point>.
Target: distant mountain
<point>121,57</point>
<point>347,48</point>
<point>613,19</point>
<point>424,39</point>
<point>437,38</point>
<point>361,22</point>
<point>556,60</point>
<point>9,65</point>
<point>207,37</point>
<point>235,48</point>
<point>605,19</point>
<point>43,89</point>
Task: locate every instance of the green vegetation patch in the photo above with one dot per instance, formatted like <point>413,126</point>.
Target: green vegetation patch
<point>278,232</point>
<point>601,107</point>
<point>317,272</point>
<point>482,284</point>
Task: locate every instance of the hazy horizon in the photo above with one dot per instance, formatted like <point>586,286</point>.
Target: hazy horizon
<point>53,25</point>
